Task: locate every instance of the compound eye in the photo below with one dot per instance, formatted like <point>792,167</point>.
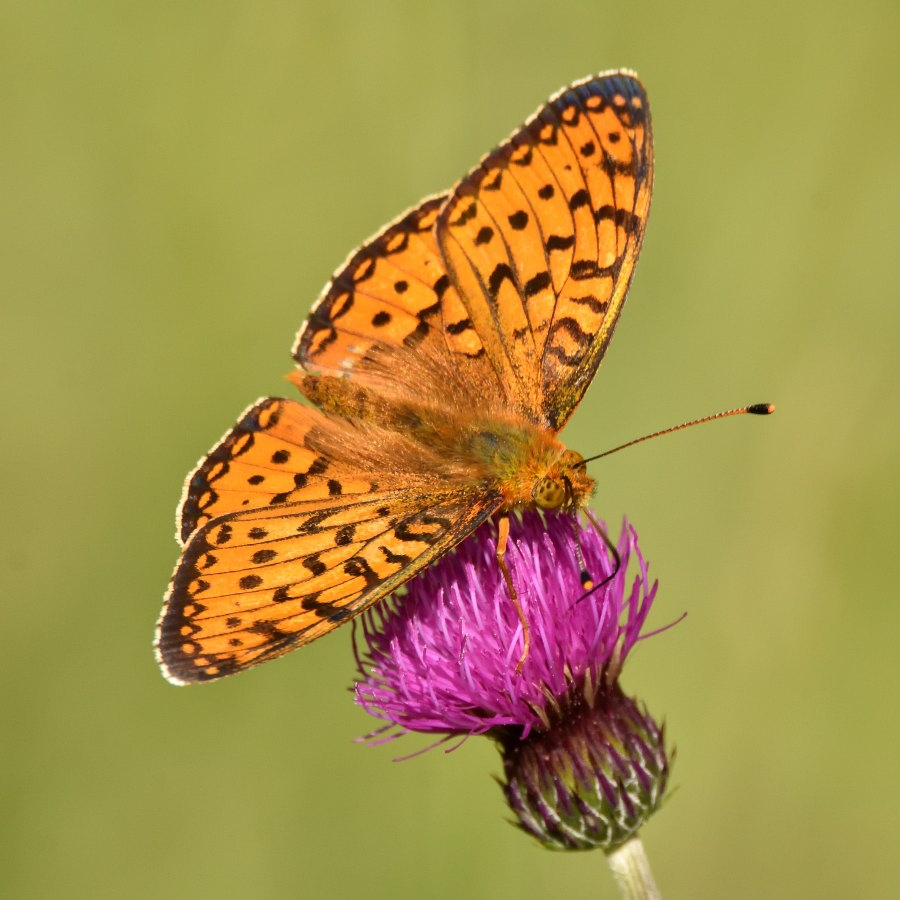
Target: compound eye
<point>549,494</point>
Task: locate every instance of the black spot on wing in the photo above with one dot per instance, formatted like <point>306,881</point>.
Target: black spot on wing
<point>560,242</point>
<point>501,272</point>
<point>583,269</point>
<point>267,628</point>
<point>613,166</point>
<point>594,304</point>
<point>314,564</point>
<point>404,531</point>
<point>518,220</point>
<point>459,327</point>
<point>535,285</point>
<point>441,285</point>
<point>580,198</point>
<point>400,559</point>
<point>313,523</point>
<point>576,335</point>
<point>623,218</point>
<point>358,567</point>
<point>345,535</point>
<point>484,235</point>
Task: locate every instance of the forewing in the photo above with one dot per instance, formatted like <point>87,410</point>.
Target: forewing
<point>391,312</point>
<point>541,238</point>
<point>253,585</point>
<point>270,457</point>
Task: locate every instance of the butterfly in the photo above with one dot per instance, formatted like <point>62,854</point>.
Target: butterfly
<point>439,363</point>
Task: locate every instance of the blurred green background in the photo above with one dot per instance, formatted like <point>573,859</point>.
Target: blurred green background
<point>179,180</point>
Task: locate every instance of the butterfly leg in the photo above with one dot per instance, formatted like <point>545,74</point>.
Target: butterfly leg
<point>502,539</point>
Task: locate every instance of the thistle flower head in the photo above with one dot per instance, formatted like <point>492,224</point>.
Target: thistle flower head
<point>584,764</point>
<point>443,658</point>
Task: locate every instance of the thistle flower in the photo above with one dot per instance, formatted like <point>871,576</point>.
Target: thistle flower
<point>584,765</point>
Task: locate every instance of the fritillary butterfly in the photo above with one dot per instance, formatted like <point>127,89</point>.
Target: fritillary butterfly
<point>441,361</point>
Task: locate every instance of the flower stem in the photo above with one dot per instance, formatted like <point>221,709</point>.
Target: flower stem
<point>631,871</point>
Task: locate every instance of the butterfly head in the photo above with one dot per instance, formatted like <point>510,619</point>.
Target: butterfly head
<point>565,485</point>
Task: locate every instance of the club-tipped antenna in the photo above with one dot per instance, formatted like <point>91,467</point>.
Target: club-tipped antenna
<point>756,409</point>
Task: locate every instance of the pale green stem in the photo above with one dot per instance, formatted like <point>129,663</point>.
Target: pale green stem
<point>632,871</point>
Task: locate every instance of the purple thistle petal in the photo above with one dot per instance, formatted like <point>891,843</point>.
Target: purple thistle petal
<point>443,657</point>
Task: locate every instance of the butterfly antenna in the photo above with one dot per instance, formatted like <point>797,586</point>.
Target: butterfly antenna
<point>757,409</point>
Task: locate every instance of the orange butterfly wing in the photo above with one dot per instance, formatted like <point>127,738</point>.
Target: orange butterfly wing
<point>542,237</point>
<point>271,456</point>
<point>252,585</point>
<point>391,316</point>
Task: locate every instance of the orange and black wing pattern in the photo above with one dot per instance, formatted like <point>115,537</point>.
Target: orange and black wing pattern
<point>541,238</point>
<point>252,585</point>
<point>273,455</point>
<point>391,315</point>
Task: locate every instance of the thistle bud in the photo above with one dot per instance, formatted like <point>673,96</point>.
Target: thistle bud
<point>593,778</point>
